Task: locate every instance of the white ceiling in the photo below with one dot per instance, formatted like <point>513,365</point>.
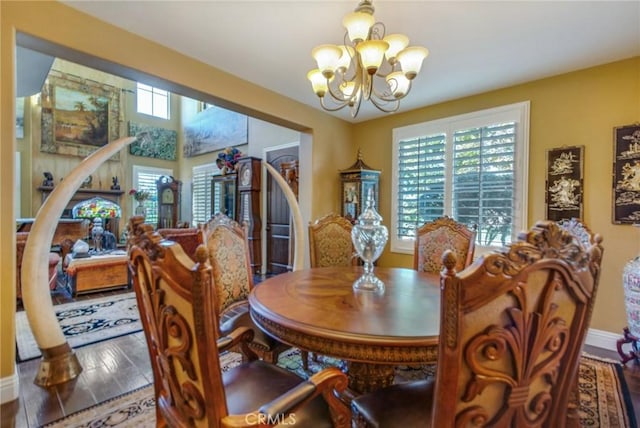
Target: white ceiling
<point>475,46</point>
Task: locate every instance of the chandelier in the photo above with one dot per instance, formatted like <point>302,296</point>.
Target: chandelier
<point>369,65</point>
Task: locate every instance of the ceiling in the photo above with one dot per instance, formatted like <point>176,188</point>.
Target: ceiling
<point>475,46</point>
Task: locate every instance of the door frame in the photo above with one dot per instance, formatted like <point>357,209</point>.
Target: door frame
<point>304,193</point>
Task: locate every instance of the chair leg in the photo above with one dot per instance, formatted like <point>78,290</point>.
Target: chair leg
<point>305,359</point>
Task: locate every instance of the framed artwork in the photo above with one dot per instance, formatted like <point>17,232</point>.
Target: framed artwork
<point>564,186</point>
<point>214,129</point>
<point>163,142</point>
<point>626,174</point>
<point>81,116</point>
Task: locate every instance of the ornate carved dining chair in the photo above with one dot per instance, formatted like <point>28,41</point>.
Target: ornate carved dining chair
<point>330,242</point>
<point>178,307</point>
<point>443,233</point>
<point>512,327</point>
<point>229,257</point>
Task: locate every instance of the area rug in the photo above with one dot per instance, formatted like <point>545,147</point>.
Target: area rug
<point>604,397</point>
<point>84,322</point>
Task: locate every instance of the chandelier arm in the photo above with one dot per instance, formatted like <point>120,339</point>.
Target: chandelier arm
<point>395,105</point>
<point>337,107</point>
<point>377,31</point>
<point>355,108</point>
<point>336,93</point>
<point>390,97</point>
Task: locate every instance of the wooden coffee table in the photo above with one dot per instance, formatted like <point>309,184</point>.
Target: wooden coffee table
<point>317,310</point>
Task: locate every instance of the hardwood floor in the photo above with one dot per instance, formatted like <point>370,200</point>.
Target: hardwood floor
<point>116,366</point>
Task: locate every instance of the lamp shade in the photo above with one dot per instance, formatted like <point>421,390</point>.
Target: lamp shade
<point>327,58</point>
<point>96,208</point>
<point>398,84</point>
<point>411,60</point>
<point>345,59</point>
<point>371,54</point>
<point>397,42</point>
<point>318,82</point>
<point>358,25</point>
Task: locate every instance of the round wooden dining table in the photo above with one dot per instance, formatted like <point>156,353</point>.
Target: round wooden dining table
<point>372,332</point>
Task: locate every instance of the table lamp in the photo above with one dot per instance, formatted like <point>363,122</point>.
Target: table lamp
<point>98,210</point>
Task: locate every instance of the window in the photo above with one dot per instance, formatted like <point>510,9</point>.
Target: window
<point>152,101</point>
<point>201,192</point>
<point>144,178</point>
<point>471,167</point>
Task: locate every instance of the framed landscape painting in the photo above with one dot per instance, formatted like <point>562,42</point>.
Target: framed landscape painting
<point>626,174</point>
<point>81,116</point>
<point>214,129</point>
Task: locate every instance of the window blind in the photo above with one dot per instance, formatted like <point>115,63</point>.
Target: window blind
<point>201,192</point>
<point>145,178</point>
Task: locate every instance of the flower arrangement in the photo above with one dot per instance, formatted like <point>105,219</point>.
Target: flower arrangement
<point>227,159</point>
<point>139,195</point>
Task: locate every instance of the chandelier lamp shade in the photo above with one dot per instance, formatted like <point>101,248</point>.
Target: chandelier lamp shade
<point>369,65</point>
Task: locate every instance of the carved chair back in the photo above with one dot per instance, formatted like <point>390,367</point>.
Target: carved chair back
<point>330,242</point>
<point>178,311</point>
<point>512,330</point>
<point>230,260</point>
<point>443,233</point>
<point>177,302</point>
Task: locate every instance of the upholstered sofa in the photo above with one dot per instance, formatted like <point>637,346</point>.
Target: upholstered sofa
<point>53,260</point>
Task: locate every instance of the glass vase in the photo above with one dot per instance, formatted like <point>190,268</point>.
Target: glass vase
<point>369,238</point>
<point>141,209</point>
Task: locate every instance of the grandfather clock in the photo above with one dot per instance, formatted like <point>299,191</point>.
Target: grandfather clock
<point>356,182</point>
<point>249,181</point>
<point>168,201</point>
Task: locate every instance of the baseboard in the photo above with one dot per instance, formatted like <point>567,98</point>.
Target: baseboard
<point>9,387</point>
<point>602,339</point>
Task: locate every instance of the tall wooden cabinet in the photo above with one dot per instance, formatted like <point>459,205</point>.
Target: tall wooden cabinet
<point>237,196</point>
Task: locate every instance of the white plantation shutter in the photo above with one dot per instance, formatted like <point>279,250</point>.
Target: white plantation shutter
<point>201,188</point>
<point>421,173</point>
<point>484,181</point>
<point>471,167</point>
<point>145,178</point>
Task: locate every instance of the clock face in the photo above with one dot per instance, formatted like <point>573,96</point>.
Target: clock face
<point>246,177</point>
<point>167,196</point>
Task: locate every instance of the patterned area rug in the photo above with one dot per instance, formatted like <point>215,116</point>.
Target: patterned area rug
<point>84,322</point>
<point>604,397</point>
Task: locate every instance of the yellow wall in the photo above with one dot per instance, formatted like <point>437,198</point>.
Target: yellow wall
<point>575,109</point>
<point>66,27</point>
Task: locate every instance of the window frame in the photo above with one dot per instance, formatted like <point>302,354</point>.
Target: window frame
<point>150,204</point>
<point>518,112</point>
<point>154,92</point>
